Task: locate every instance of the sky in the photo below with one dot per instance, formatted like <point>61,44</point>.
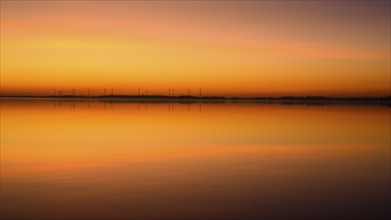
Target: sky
<point>229,48</point>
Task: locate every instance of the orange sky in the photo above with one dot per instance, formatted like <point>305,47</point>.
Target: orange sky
<point>226,48</point>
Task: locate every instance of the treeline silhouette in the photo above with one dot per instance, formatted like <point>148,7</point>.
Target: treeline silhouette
<point>189,97</point>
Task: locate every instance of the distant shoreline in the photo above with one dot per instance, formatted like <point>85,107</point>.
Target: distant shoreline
<point>157,97</point>
<point>312,100</point>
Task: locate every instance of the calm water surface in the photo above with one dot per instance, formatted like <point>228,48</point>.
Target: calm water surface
<point>123,160</point>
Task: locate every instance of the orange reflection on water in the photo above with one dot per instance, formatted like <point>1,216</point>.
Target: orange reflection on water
<point>178,159</point>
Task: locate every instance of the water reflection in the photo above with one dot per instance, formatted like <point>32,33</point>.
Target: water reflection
<point>148,160</point>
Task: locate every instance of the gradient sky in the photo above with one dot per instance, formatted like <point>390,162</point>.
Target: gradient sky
<point>235,48</point>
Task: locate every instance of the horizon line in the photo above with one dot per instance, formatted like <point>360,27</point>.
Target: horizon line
<point>157,96</point>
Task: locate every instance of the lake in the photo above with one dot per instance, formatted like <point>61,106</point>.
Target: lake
<point>67,159</point>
